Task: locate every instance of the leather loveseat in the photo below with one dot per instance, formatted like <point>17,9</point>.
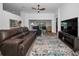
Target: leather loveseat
<point>16,42</point>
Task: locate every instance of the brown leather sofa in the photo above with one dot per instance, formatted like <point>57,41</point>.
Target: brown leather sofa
<point>16,42</point>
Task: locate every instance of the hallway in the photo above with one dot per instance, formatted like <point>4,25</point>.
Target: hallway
<point>50,46</point>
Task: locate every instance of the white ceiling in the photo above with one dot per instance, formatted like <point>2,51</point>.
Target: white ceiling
<point>16,8</point>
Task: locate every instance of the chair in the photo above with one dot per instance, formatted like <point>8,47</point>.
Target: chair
<point>37,29</point>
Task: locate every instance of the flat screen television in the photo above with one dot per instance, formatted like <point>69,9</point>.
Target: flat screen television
<point>70,26</point>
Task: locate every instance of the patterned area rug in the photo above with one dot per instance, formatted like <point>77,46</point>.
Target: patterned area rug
<point>51,46</point>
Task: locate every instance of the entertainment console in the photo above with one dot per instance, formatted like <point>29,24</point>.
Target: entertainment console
<point>69,32</point>
<point>71,40</point>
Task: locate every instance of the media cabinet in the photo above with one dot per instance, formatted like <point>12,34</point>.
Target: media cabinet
<point>70,40</point>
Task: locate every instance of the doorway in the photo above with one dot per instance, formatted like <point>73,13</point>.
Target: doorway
<point>56,25</point>
<point>44,25</point>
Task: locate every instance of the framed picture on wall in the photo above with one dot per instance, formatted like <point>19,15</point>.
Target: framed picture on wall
<point>13,23</point>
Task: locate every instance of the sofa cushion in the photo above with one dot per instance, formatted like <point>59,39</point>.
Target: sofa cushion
<point>10,47</point>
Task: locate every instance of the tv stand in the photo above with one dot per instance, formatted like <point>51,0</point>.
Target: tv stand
<point>70,40</point>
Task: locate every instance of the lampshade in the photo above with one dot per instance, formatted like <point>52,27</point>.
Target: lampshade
<point>32,24</point>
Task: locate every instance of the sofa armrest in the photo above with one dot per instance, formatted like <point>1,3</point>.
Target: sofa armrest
<point>10,47</point>
<point>25,45</point>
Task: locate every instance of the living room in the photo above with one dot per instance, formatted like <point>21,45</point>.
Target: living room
<point>43,15</point>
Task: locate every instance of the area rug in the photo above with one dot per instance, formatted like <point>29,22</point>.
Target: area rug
<point>51,46</point>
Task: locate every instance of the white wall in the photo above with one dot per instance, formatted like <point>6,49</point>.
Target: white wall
<point>1,15</point>
<point>69,10</point>
<point>5,17</point>
<point>59,20</point>
<point>40,16</point>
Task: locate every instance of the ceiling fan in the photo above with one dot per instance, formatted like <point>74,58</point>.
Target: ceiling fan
<point>38,9</point>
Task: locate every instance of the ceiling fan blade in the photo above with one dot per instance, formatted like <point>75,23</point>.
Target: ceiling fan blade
<point>42,9</point>
<point>34,8</point>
